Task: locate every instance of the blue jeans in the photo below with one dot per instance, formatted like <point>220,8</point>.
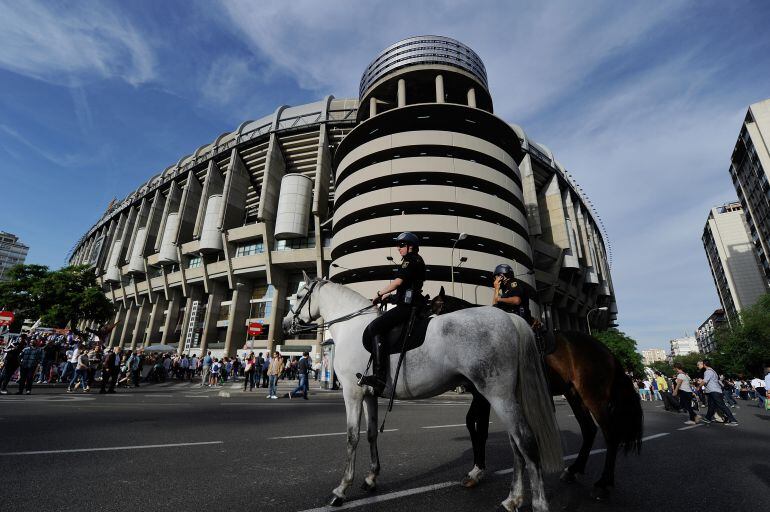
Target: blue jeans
<point>271,390</point>
<point>83,374</point>
<point>302,386</point>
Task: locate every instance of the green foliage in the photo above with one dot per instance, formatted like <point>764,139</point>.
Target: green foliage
<point>59,297</point>
<point>663,367</point>
<point>745,348</point>
<point>623,347</point>
<point>690,363</point>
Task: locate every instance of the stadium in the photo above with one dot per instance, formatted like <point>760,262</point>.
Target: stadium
<point>218,241</point>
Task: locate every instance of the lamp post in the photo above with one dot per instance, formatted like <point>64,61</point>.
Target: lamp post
<point>588,317</point>
<point>462,236</point>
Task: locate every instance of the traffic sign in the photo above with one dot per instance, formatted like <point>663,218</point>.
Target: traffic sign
<point>6,317</point>
<point>255,329</point>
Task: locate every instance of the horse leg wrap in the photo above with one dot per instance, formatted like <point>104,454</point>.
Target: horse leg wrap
<point>473,478</point>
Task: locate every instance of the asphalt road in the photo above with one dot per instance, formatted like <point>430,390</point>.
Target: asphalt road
<point>177,447</point>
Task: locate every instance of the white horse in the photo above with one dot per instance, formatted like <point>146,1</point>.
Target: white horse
<point>505,369</point>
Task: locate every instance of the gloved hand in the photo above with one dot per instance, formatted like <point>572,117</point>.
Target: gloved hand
<point>377,300</point>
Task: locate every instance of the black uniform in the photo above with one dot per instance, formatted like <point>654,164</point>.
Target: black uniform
<point>515,288</point>
<point>412,273</point>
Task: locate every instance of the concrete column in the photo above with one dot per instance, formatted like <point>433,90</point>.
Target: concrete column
<point>278,279</point>
<point>169,321</point>
<point>119,318</point>
<point>372,106</point>
<point>128,326</point>
<point>472,97</point>
<point>239,311</point>
<point>216,296</point>
<point>156,320</point>
<point>140,325</point>
<point>439,89</point>
<point>401,93</point>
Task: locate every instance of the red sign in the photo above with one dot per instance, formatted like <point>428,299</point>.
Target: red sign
<point>255,329</point>
<point>6,317</point>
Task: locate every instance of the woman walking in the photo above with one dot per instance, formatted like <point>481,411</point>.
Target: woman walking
<point>249,371</point>
<point>684,391</point>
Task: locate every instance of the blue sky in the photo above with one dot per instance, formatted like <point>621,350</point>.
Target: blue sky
<point>641,102</point>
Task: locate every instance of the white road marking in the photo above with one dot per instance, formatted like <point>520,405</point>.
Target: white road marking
<point>449,426</point>
<point>691,426</point>
<point>386,497</point>
<point>112,448</point>
<point>325,435</point>
<point>157,394</point>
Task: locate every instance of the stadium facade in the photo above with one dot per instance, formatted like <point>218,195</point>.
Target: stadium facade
<point>220,239</point>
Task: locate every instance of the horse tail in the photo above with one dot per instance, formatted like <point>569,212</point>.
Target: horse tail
<point>535,398</point>
<point>626,419</point>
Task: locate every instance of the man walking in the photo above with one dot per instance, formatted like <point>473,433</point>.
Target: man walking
<point>30,357</point>
<point>206,369</point>
<point>11,362</point>
<point>713,390</point>
<point>303,368</point>
<point>135,367</point>
<point>111,370</point>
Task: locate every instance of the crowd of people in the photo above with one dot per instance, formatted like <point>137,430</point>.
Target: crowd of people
<point>83,363</point>
<point>681,392</point>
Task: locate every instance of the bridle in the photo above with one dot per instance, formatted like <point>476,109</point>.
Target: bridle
<point>299,326</point>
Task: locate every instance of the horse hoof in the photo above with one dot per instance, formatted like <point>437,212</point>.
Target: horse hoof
<point>336,501</point>
<point>600,493</point>
<point>367,487</point>
<point>469,483</point>
<point>567,476</point>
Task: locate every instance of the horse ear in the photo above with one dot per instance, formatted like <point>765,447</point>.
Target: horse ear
<point>305,276</point>
<point>441,292</point>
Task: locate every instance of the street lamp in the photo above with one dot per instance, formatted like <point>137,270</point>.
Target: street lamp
<point>588,317</point>
<point>462,236</point>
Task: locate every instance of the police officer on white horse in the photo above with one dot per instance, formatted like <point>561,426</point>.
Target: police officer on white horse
<point>407,287</point>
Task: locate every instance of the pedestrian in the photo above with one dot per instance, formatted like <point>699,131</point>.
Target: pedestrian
<point>29,359</point>
<point>715,398</point>
<point>758,385</point>
<point>206,369</point>
<point>767,383</point>
<point>275,369</point>
<point>249,371</point>
<point>265,366</point>
<point>49,358</point>
<point>135,367</point>
<point>11,355</point>
<point>303,368</point>
<point>729,390</point>
<point>81,374</point>
<point>258,364</point>
<point>684,391</point>
<point>110,370</point>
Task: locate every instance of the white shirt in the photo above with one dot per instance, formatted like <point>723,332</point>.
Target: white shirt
<point>685,385</point>
<point>757,383</point>
<point>767,382</point>
<point>75,356</point>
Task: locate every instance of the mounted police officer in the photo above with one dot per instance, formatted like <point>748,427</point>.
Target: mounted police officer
<point>510,294</point>
<point>407,287</point>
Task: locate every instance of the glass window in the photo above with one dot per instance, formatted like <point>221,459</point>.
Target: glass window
<point>194,262</point>
<point>249,248</point>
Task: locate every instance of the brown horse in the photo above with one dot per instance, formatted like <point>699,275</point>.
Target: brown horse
<point>597,389</point>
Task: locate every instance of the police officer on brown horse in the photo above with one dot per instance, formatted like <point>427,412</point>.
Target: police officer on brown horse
<point>510,294</point>
<point>407,287</point>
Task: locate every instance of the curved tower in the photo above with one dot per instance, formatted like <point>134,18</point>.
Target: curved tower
<point>429,156</point>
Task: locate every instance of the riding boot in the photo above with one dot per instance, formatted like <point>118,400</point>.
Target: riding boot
<point>377,379</point>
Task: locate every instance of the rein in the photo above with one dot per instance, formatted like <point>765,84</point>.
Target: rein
<point>296,328</point>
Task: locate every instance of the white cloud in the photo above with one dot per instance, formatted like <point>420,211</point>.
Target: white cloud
<point>70,44</point>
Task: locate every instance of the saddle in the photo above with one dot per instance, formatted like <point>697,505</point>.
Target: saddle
<point>414,340</point>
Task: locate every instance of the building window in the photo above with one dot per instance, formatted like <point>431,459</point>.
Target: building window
<point>224,312</point>
<point>296,243</point>
<point>194,262</point>
<point>249,248</point>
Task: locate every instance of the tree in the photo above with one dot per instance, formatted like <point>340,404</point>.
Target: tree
<point>745,348</point>
<point>690,363</point>
<point>622,347</point>
<point>662,367</point>
<point>59,297</point>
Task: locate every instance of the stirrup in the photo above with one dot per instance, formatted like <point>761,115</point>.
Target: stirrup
<point>371,380</point>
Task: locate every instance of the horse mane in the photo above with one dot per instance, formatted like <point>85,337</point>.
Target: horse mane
<point>344,290</point>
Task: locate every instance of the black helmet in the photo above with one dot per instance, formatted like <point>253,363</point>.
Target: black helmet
<point>409,239</point>
<point>503,268</point>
